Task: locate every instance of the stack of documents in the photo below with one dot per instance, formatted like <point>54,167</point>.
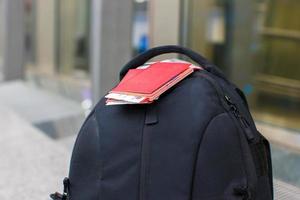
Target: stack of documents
<point>145,84</point>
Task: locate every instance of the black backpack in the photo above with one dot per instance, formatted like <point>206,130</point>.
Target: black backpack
<point>198,141</point>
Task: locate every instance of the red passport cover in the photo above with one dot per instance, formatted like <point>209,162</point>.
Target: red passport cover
<point>150,79</point>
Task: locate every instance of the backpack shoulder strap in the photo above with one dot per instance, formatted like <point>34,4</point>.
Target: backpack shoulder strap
<point>156,51</point>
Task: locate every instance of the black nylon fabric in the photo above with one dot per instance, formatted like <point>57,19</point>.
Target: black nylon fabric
<point>224,152</point>
<point>85,164</point>
<point>188,145</point>
<point>174,140</point>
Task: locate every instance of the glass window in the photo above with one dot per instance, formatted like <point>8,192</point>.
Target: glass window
<point>72,35</point>
<point>256,44</point>
<point>140,26</point>
<point>278,76</point>
<point>57,46</point>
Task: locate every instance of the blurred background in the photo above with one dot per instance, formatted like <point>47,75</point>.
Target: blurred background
<point>57,58</point>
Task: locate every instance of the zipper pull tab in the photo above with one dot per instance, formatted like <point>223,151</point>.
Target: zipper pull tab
<point>64,196</point>
<point>228,100</point>
<point>249,134</point>
<point>245,124</point>
<point>56,196</point>
<point>244,192</point>
<point>66,183</point>
<point>232,106</point>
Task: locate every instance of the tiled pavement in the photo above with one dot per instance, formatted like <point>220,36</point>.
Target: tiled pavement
<point>36,132</point>
<point>32,165</point>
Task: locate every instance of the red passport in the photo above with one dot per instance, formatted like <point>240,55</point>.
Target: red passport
<point>147,81</point>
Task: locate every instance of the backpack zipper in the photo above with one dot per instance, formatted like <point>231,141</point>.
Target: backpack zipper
<point>243,121</point>
<point>232,107</point>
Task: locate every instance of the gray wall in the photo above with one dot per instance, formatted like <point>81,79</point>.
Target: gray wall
<point>12,40</point>
<point>111,48</point>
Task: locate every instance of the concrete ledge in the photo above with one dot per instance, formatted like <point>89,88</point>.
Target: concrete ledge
<point>280,136</point>
<point>55,115</point>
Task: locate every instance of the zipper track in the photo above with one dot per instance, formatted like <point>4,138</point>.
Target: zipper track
<point>245,124</point>
<point>228,105</point>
